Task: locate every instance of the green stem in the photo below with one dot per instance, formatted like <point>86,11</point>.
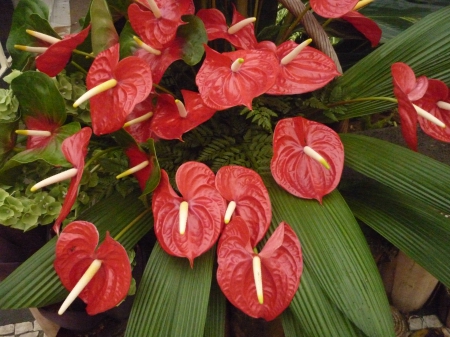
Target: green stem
<point>157,86</point>
<point>80,68</point>
<point>100,154</point>
<point>326,23</point>
<point>79,52</point>
<point>132,223</point>
<point>296,22</point>
<point>362,99</point>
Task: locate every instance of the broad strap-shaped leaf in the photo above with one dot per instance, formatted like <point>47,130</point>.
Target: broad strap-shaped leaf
<point>167,123</point>
<point>76,249</point>
<point>298,172</point>
<point>35,283</point>
<point>338,257</point>
<point>205,211</point>
<point>308,71</point>
<point>104,34</point>
<point>172,299</point>
<point>332,8</point>
<point>110,108</point>
<point>281,268</point>
<point>245,187</point>
<point>221,87</point>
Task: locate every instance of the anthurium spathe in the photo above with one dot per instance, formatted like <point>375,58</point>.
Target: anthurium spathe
<point>332,8</point>
<point>260,284</point>
<point>76,251</point>
<point>188,225</point>
<point>308,158</point>
<point>235,78</point>
<point>408,89</point>
<point>365,26</point>
<point>156,21</point>
<point>247,198</point>
<point>241,33</point>
<point>129,82</point>
<point>301,69</point>
<point>173,118</point>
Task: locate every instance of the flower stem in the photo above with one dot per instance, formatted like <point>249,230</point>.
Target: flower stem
<point>296,22</point>
<point>80,68</point>
<point>132,223</point>
<point>79,52</point>
<point>100,154</point>
<point>362,99</point>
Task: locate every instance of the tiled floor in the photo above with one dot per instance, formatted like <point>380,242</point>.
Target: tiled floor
<point>14,323</point>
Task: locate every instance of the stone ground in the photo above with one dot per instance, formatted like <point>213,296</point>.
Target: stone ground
<point>15,323</point>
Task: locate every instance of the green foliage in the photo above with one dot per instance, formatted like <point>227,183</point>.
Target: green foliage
<point>8,105</point>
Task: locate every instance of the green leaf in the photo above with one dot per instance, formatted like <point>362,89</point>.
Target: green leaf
<point>194,36</point>
<point>427,54</point>
<point>39,98</point>
<point>103,32</point>
<point>404,170</point>
<point>172,299</point>
<point>416,228</point>
<point>215,320</point>
<point>338,256</point>
<point>35,283</point>
<point>127,45</point>
<point>7,138</point>
<point>155,174</point>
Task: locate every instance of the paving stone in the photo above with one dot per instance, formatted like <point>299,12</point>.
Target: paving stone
<point>415,323</point>
<point>30,334</point>
<point>36,326</point>
<point>432,321</point>
<point>23,327</point>
<point>6,329</point>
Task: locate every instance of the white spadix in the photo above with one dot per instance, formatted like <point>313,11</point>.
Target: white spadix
<point>257,276</point>
<point>236,65</point>
<point>81,284</point>
<point>143,118</point>
<point>134,169</point>
<point>181,108</point>
<point>316,156</point>
<point>154,8</point>
<point>443,105</point>
<point>184,207</point>
<point>39,50</point>
<point>95,91</point>
<point>55,179</point>
<point>146,47</point>
<point>39,133</point>
<point>293,54</point>
<point>42,36</point>
<point>229,212</point>
<point>241,24</point>
<point>425,114</point>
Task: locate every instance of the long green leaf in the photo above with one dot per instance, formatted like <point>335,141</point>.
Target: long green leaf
<point>417,229</point>
<point>338,256</point>
<point>172,299</point>
<point>409,172</point>
<point>215,321</point>
<point>35,283</point>
<point>424,47</point>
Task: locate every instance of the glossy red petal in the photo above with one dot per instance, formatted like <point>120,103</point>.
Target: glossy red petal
<point>297,172</point>
<point>56,57</point>
<point>204,222</point>
<point>110,108</point>
<point>157,32</point>
<point>136,157</point>
<point>167,122</point>
<point>310,70</point>
<point>75,150</point>
<point>365,26</point>
<point>32,123</point>
<point>332,8</point>
<point>142,131</point>
<point>281,265</point>
<point>222,88</point>
<point>437,91</point>
<point>217,28</point>
<point>192,175</point>
<point>75,251</point>
<point>245,187</point>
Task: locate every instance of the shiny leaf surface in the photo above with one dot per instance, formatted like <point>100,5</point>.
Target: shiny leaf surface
<point>104,34</point>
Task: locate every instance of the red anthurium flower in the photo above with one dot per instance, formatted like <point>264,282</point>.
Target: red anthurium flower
<point>436,101</point>
<point>188,226</point>
<point>235,78</point>
<point>75,150</point>
<point>408,89</point>
<point>365,26</point>
<point>173,118</point>
<point>301,70</point>
<point>332,8</point>
<point>76,250</point>
<point>247,198</point>
<point>308,158</point>
<point>139,158</point>
<point>40,124</point>
<point>156,21</point>
<point>261,285</point>
<point>56,57</point>
<point>131,80</point>
<point>241,34</point>
<point>140,122</point>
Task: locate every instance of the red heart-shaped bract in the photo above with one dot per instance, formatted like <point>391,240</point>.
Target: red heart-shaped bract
<point>56,57</point>
<point>297,172</point>
<point>142,131</point>
<point>195,182</point>
<point>136,157</point>
<point>365,26</point>
<point>437,91</point>
<point>308,71</point>
<point>246,188</point>
<point>217,28</point>
<point>332,8</point>
<point>407,89</point>
<point>281,268</point>
<point>167,122</point>
<point>75,149</point>
<point>110,108</point>
<point>222,88</point>
<point>156,32</point>
<point>75,251</point>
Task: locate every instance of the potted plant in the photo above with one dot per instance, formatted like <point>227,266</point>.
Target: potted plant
<point>205,126</point>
